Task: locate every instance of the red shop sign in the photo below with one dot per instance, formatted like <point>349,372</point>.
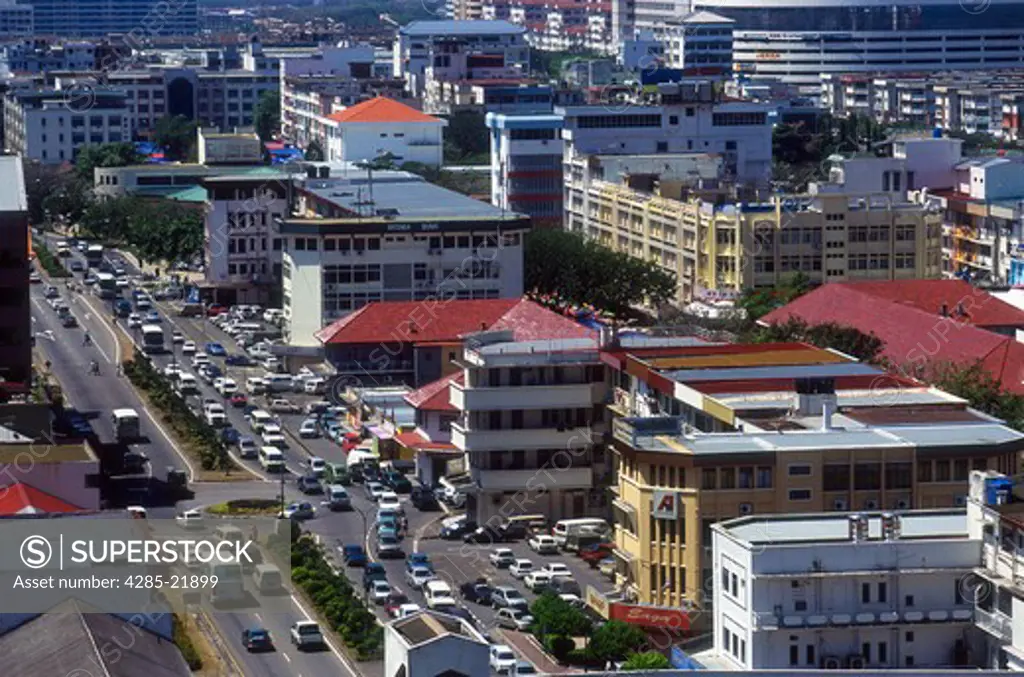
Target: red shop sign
<point>651,616</point>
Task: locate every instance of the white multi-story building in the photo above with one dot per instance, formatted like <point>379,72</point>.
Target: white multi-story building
<point>243,251</point>
<point>526,166</point>
<point>843,591</point>
<point>699,42</point>
<point>390,236</point>
<point>690,119</point>
<point>39,55</point>
<point>530,424</point>
<point>382,126</point>
<point>52,125</point>
<point>457,50</point>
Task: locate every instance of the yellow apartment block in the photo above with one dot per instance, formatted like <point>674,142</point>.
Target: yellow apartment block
<point>725,248</point>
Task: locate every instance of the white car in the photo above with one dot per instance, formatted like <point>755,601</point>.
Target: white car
<point>309,429</point>
<point>255,385</point>
<point>188,348</point>
<point>543,544</point>
<point>227,387</point>
<point>190,519</point>
<point>513,619</point>
<point>272,364</point>
<point>557,570</point>
<point>417,577</point>
<point>374,490</point>
<point>172,370</point>
<point>200,359</point>
<point>379,592</point>
<point>537,581</point>
<point>503,660</point>
<point>406,610</point>
<point>177,337</point>
<point>520,568</point>
<point>306,634</point>
<point>389,501</point>
<point>502,558</point>
<point>318,466</point>
<point>134,320</point>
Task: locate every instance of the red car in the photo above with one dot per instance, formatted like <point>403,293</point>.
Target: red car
<point>595,553</point>
<point>394,601</point>
<point>215,310</point>
<point>239,400</point>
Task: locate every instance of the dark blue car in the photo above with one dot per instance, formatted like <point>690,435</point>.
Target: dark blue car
<point>238,360</point>
<point>215,350</point>
<point>229,435</point>
<point>257,639</point>
<point>354,555</point>
<point>213,371</point>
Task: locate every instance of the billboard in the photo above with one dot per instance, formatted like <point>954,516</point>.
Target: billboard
<point>665,505</point>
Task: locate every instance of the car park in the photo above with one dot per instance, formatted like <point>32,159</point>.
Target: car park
<point>520,568</point>
<point>502,659</point>
<point>505,596</point>
<point>513,618</point>
<point>502,558</point>
<point>543,544</point>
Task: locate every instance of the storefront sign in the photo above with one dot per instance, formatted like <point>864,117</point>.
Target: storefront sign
<point>665,505</point>
<point>597,601</point>
<point>650,616</point>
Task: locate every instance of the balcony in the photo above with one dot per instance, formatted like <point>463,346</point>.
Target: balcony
<point>573,396</point>
<point>523,438</point>
<point>638,431</point>
<point>548,478</point>
<point>994,624</point>
<point>773,621</point>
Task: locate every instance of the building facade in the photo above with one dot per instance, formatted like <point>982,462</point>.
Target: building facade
<point>52,125</point>
<point>526,166</point>
<point>15,321</point>
<point>385,127</point>
<point>98,18</point>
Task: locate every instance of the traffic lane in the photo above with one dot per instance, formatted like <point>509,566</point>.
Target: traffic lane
<point>268,664</point>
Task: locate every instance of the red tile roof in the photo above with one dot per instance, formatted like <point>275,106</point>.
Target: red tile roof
<point>417,441</point>
<point>434,321</point>
<point>381,109</point>
<point>434,396</point>
<point>22,499</point>
<point>915,339</point>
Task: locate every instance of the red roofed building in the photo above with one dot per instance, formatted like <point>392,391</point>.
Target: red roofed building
<point>415,342</point>
<point>430,444</point>
<point>923,323</point>
<point>382,125</point>
<point>22,499</point>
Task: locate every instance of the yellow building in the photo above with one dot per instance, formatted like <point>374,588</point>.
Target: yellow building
<point>728,247</point>
<point>713,432</point>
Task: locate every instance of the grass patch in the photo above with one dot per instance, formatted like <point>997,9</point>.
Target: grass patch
<point>247,506</point>
<point>182,638</point>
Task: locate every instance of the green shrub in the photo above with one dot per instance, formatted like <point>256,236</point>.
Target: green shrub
<point>559,646</point>
<point>179,635</point>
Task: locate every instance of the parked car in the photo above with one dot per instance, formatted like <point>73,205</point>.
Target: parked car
<point>424,500</point>
<point>593,554</point>
<point>215,349</point>
<point>478,591</point>
<point>257,639</point>
<point>543,544</point>
<point>520,568</point>
<point>457,528</point>
<point>353,555</point>
<point>502,558</point>
<point>502,659</point>
<point>563,587</point>
<point>537,581</point>
<point>404,610</point>
<point>238,360</point>
<point>282,406</point>
<point>484,534</point>
<point>513,618</point>
<point>306,635</point>
<point>557,570</point>
<point>505,596</point>
<point>607,567</point>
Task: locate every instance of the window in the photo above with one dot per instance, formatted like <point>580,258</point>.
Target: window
<point>865,593</point>
<point>709,478</point>
<point>746,478</point>
<point>662,147</point>
<point>836,477</point>
<point>764,477</point>
<point>800,605</point>
<point>883,592</point>
<point>727,478</point>
<point>865,650</point>
<point>794,654</point>
<point>799,494</point>
<point>958,594</point>
<point>960,470</point>
<point>898,475</point>
<point>867,476</point>
<point>924,471</point>
<point>908,636</point>
<point>908,601</point>
<point>883,652</point>
<point>800,470</point>
<point>809,654</point>
<point>909,660</point>
<point>941,471</point>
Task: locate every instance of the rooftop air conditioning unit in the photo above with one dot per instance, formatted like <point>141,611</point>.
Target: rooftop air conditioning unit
<point>960,501</point>
<point>871,504</point>
<point>746,508</point>
<point>831,663</point>
<point>840,504</point>
<point>902,504</point>
<point>856,662</point>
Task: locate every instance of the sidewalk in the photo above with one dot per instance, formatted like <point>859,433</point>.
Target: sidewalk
<point>526,646</point>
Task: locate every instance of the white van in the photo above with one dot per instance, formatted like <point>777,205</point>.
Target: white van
<point>186,384</point>
<point>271,459</point>
<point>215,415</point>
<point>255,385</point>
<point>438,594</point>
<point>239,327</point>
<point>229,533</point>
<point>277,383</point>
<point>564,528</point>
<point>267,578</point>
<point>258,419</point>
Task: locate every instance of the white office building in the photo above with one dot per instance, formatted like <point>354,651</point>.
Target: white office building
<point>390,236</point>
<point>383,126</point>
<point>530,424</point>
<point>526,166</point>
<point>52,125</point>
<point>878,590</point>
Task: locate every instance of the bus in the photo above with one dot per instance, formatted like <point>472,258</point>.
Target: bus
<point>153,339</point>
<point>94,255</point>
<point>107,286</point>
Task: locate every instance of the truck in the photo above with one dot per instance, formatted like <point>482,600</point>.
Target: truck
<point>153,339</point>
<point>126,425</point>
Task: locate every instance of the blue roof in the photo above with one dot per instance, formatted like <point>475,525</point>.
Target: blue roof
<point>512,121</point>
<point>455,27</point>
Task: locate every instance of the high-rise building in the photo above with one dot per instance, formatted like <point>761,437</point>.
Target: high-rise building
<point>139,20</point>
<point>15,320</point>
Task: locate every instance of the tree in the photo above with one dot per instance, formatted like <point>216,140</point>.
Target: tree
<point>466,140</point>
<point>314,151</point>
<point>580,271</point>
<point>467,183</point>
<point>155,230</point>
<point>649,660</point>
<point>104,155</point>
<point>849,340</point>
<point>759,302</point>
<point>266,115</point>
<point>176,135</point>
<point>615,640</point>
<point>980,388</point>
<point>41,182</point>
<point>554,616</point>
